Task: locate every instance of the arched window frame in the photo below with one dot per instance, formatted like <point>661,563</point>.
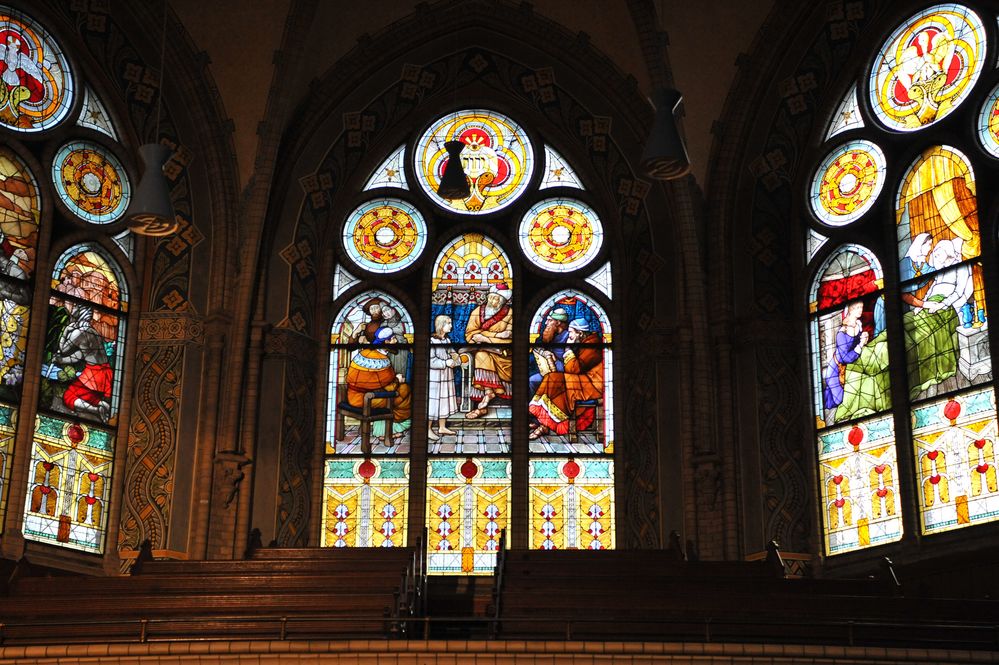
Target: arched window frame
<point>502,227</point>
<point>876,229</point>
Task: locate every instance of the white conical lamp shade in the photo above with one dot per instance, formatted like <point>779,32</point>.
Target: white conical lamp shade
<point>150,212</point>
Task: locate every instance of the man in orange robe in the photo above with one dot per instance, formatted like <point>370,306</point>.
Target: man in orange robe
<point>370,370</point>
<point>554,403</point>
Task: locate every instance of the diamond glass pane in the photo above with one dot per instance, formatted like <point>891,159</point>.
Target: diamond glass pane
<point>365,503</point>
<point>385,235</point>
<point>847,182</point>
<point>571,503</point>
<point>561,235</point>
<point>472,290</point>
<point>369,408</point>
<point>955,448</point>
<point>468,505</point>
<point>498,159</point>
<point>69,484</point>
<point>859,479</point>
<point>36,85</point>
<point>91,182</point>
<point>927,67</point>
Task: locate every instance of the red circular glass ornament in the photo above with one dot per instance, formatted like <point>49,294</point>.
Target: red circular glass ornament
<point>367,469</point>
<point>571,469</point>
<point>469,469</point>
<point>855,437</point>
<point>74,433</point>
<point>952,410</point>
<point>93,477</point>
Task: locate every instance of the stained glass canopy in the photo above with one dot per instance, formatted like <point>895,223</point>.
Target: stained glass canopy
<point>847,182</point>
<point>561,235</point>
<point>91,182</point>
<point>36,84</point>
<point>498,159</point>
<point>385,235</point>
<point>927,67</point>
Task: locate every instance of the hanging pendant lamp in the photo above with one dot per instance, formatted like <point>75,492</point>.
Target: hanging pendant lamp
<point>150,212</point>
<point>454,183</point>
<point>665,155</point>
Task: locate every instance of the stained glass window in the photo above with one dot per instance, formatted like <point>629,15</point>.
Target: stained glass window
<point>498,159</point>
<point>558,173</point>
<point>365,502</point>
<point>369,396</point>
<point>988,123</point>
<point>73,449</point>
<point>385,235</point>
<point>602,279</point>
<point>391,172</point>
<point>927,67</point>
<point>847,115</point>
<point>932,437</point>
<point>572,503</point>
<point>561,234</point>
<point>36,91</point>
<point>342,281</point>
<point>847,182</point>
<point>468,505</point>
<point>91,182</point>
<point>95,116</point>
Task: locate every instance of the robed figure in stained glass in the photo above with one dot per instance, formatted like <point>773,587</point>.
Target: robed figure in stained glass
<point>554,402</point>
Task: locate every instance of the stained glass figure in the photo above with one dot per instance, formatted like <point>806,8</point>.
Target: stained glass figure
<point>69,484</point>
<point>927,67</point>
<point>95,116</point>
<point>472,325</point>
<point>602,279</point>
<point>385,235</point>
<point>369,397</point>
<point>8,429</point>
<point>36,84</point>
<point>571,503</point>
<point>391,172</point>
<point>847,115</point>
<point>955,448</point>
<point>365,503</point>
<point>561,234</point>
<point>570,372</point>
<point>558,173</point>
<point>859,477</point>
<point>91,182</point>
<point>815,242</point>
<point>849,338</point>
<point>342,281</point>
<point>847,182</point>
<point>83,356</point>
<point>498,159</point>
<point>468,505</point>
<point>988,123</point>
<point>944,348</point>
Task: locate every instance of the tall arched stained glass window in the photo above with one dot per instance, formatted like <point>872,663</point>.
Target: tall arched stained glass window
<point>72,458</point>
<point>904,462</point>
<point>527,217</point>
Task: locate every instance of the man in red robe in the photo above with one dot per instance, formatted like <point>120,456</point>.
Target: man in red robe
<point>554,403</point>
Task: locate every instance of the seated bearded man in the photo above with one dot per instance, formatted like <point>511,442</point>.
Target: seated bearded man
<point>370,370</point>
<point>491,323</point>
<point>554,403</point>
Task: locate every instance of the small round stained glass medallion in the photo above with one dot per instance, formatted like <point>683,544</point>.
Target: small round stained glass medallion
<point>36,85</point>
<point>848,182</point>
<point>988,123</point>
<point>91,182</point>
<point>561,235</point>
<point>927,67</point>
<point>497,159</point>
<point>385,235</point>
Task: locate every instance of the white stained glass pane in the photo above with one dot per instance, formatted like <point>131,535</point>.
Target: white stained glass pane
<point>847,115</point>
<point>95,116</point>
<point>391,172</point>
<point>558,173</point>
<point>602,279</point>
<point>126,241</point>
<point>815,242</point>
<point>342,280</point>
